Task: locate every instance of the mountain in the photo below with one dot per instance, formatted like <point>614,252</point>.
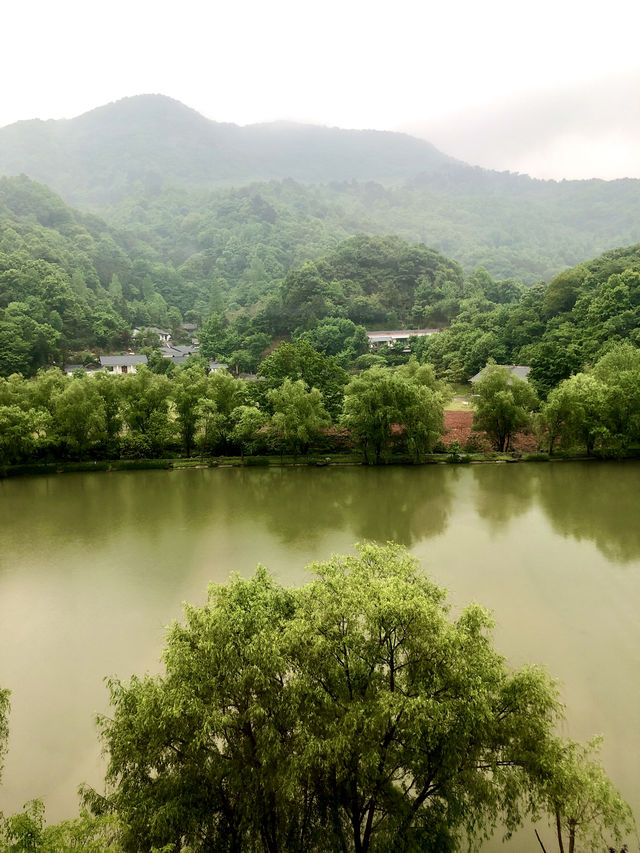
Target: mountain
<point>245,204</point>
<point>151,141</point>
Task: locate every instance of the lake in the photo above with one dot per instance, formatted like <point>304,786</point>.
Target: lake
<point>94,566</point>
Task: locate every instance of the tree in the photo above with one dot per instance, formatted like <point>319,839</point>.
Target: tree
<point>145,402</point>
<point>188,387</point>
<point>339,337</point>
<point>619,370</point>
<point>380,399</point>
<point>249,423</point>
<point>300,360</point>
<point>108,388</point>
<point>582,401</point>
<point>4,725</point>
<point>299,416</point>
<point>26,832</point>
<point>17,432</point>
<point>556,414</point>
<point>581,800</point>
<point>78,415</point>
<point>351,714</point>
<point>503,405</point>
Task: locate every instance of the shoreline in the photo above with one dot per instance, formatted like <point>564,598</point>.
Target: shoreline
<point>315,461</point>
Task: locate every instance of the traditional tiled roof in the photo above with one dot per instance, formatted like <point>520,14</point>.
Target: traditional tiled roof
<point>122,360</point>
<point>518,370</point>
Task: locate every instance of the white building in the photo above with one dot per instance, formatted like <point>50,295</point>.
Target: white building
<point>122,363</point>
<point>376,339</point>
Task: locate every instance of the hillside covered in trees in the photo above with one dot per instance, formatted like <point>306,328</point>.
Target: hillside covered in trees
<point>275,195</point>
<point>72,284</point>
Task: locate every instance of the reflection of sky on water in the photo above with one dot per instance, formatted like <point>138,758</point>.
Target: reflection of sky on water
<point>92,567</point>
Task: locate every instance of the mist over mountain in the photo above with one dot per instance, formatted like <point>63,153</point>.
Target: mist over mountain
<point>285,192</point>
<point>152,141</point>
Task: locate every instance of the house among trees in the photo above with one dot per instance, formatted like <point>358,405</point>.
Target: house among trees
<point>401,336</point>
<point>163,334</point>
<point>521,371</point>
<point>122,363</point>
<point>70,369</point>
<point>179,353</point>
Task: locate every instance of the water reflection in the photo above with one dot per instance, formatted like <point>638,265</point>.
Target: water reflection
<point>92,566</point>
<point>597,502</point>
<point>400,504</point>
<point>503,492</point>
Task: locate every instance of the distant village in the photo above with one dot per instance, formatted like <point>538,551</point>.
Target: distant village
<point>179,353</point>
<point>129,362</point>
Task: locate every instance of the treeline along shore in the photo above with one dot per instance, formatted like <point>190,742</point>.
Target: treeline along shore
<point>303,402</point>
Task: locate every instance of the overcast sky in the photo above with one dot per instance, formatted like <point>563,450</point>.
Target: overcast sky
<point>547,88</point>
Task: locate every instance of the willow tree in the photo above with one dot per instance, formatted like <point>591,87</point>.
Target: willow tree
<point>350,714</point>
<point>583,804</point>
<point>503,405</point>
<point>4,726</point>
<point>380,399</point>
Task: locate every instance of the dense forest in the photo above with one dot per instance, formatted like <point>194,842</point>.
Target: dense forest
<point>280,194</point>
<point>72,286</point>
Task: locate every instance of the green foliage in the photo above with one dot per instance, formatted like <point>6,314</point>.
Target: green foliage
<point>503,405</point>
<point>26,832</point>
<point>380,401</point>
<point>4,725</point>
<point>18,429</point>
<point>337,336</point>
<point>249,430</point>
<point>145,405</point>
<point>78,416</point>
<point>350,714</point>
<point>152,158</point>
<point>599,409</point>
<point>189,386</point>
<point>583,398</point>
<point>299,416</point>
<point>578,796</point>
<point>299,360</point>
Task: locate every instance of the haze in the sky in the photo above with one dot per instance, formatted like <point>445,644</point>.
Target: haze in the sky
<point>548,88</point>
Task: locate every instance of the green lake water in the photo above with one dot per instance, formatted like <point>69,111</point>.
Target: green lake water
<point>94,566</point>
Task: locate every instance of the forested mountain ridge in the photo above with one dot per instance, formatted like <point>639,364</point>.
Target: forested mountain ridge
<point>252,272</point>
<point>519,228</point>
<point>271,196</point>
<point>151,141</point>
<point>69,282</point>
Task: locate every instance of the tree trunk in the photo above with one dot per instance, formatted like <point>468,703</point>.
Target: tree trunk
<point>559,831</point>
<point>540,841</point>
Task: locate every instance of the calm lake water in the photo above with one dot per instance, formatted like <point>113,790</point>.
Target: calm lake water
<point>94,566</point>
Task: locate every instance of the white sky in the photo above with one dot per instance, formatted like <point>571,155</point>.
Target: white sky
<point>499,83</point>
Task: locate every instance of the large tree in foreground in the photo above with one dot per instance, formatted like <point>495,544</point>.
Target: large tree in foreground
<point>351,714</point>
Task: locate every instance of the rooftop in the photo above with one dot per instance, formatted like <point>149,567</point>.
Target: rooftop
<point>122,360</point>
<point>400,333</point>
<point>519,370</point>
